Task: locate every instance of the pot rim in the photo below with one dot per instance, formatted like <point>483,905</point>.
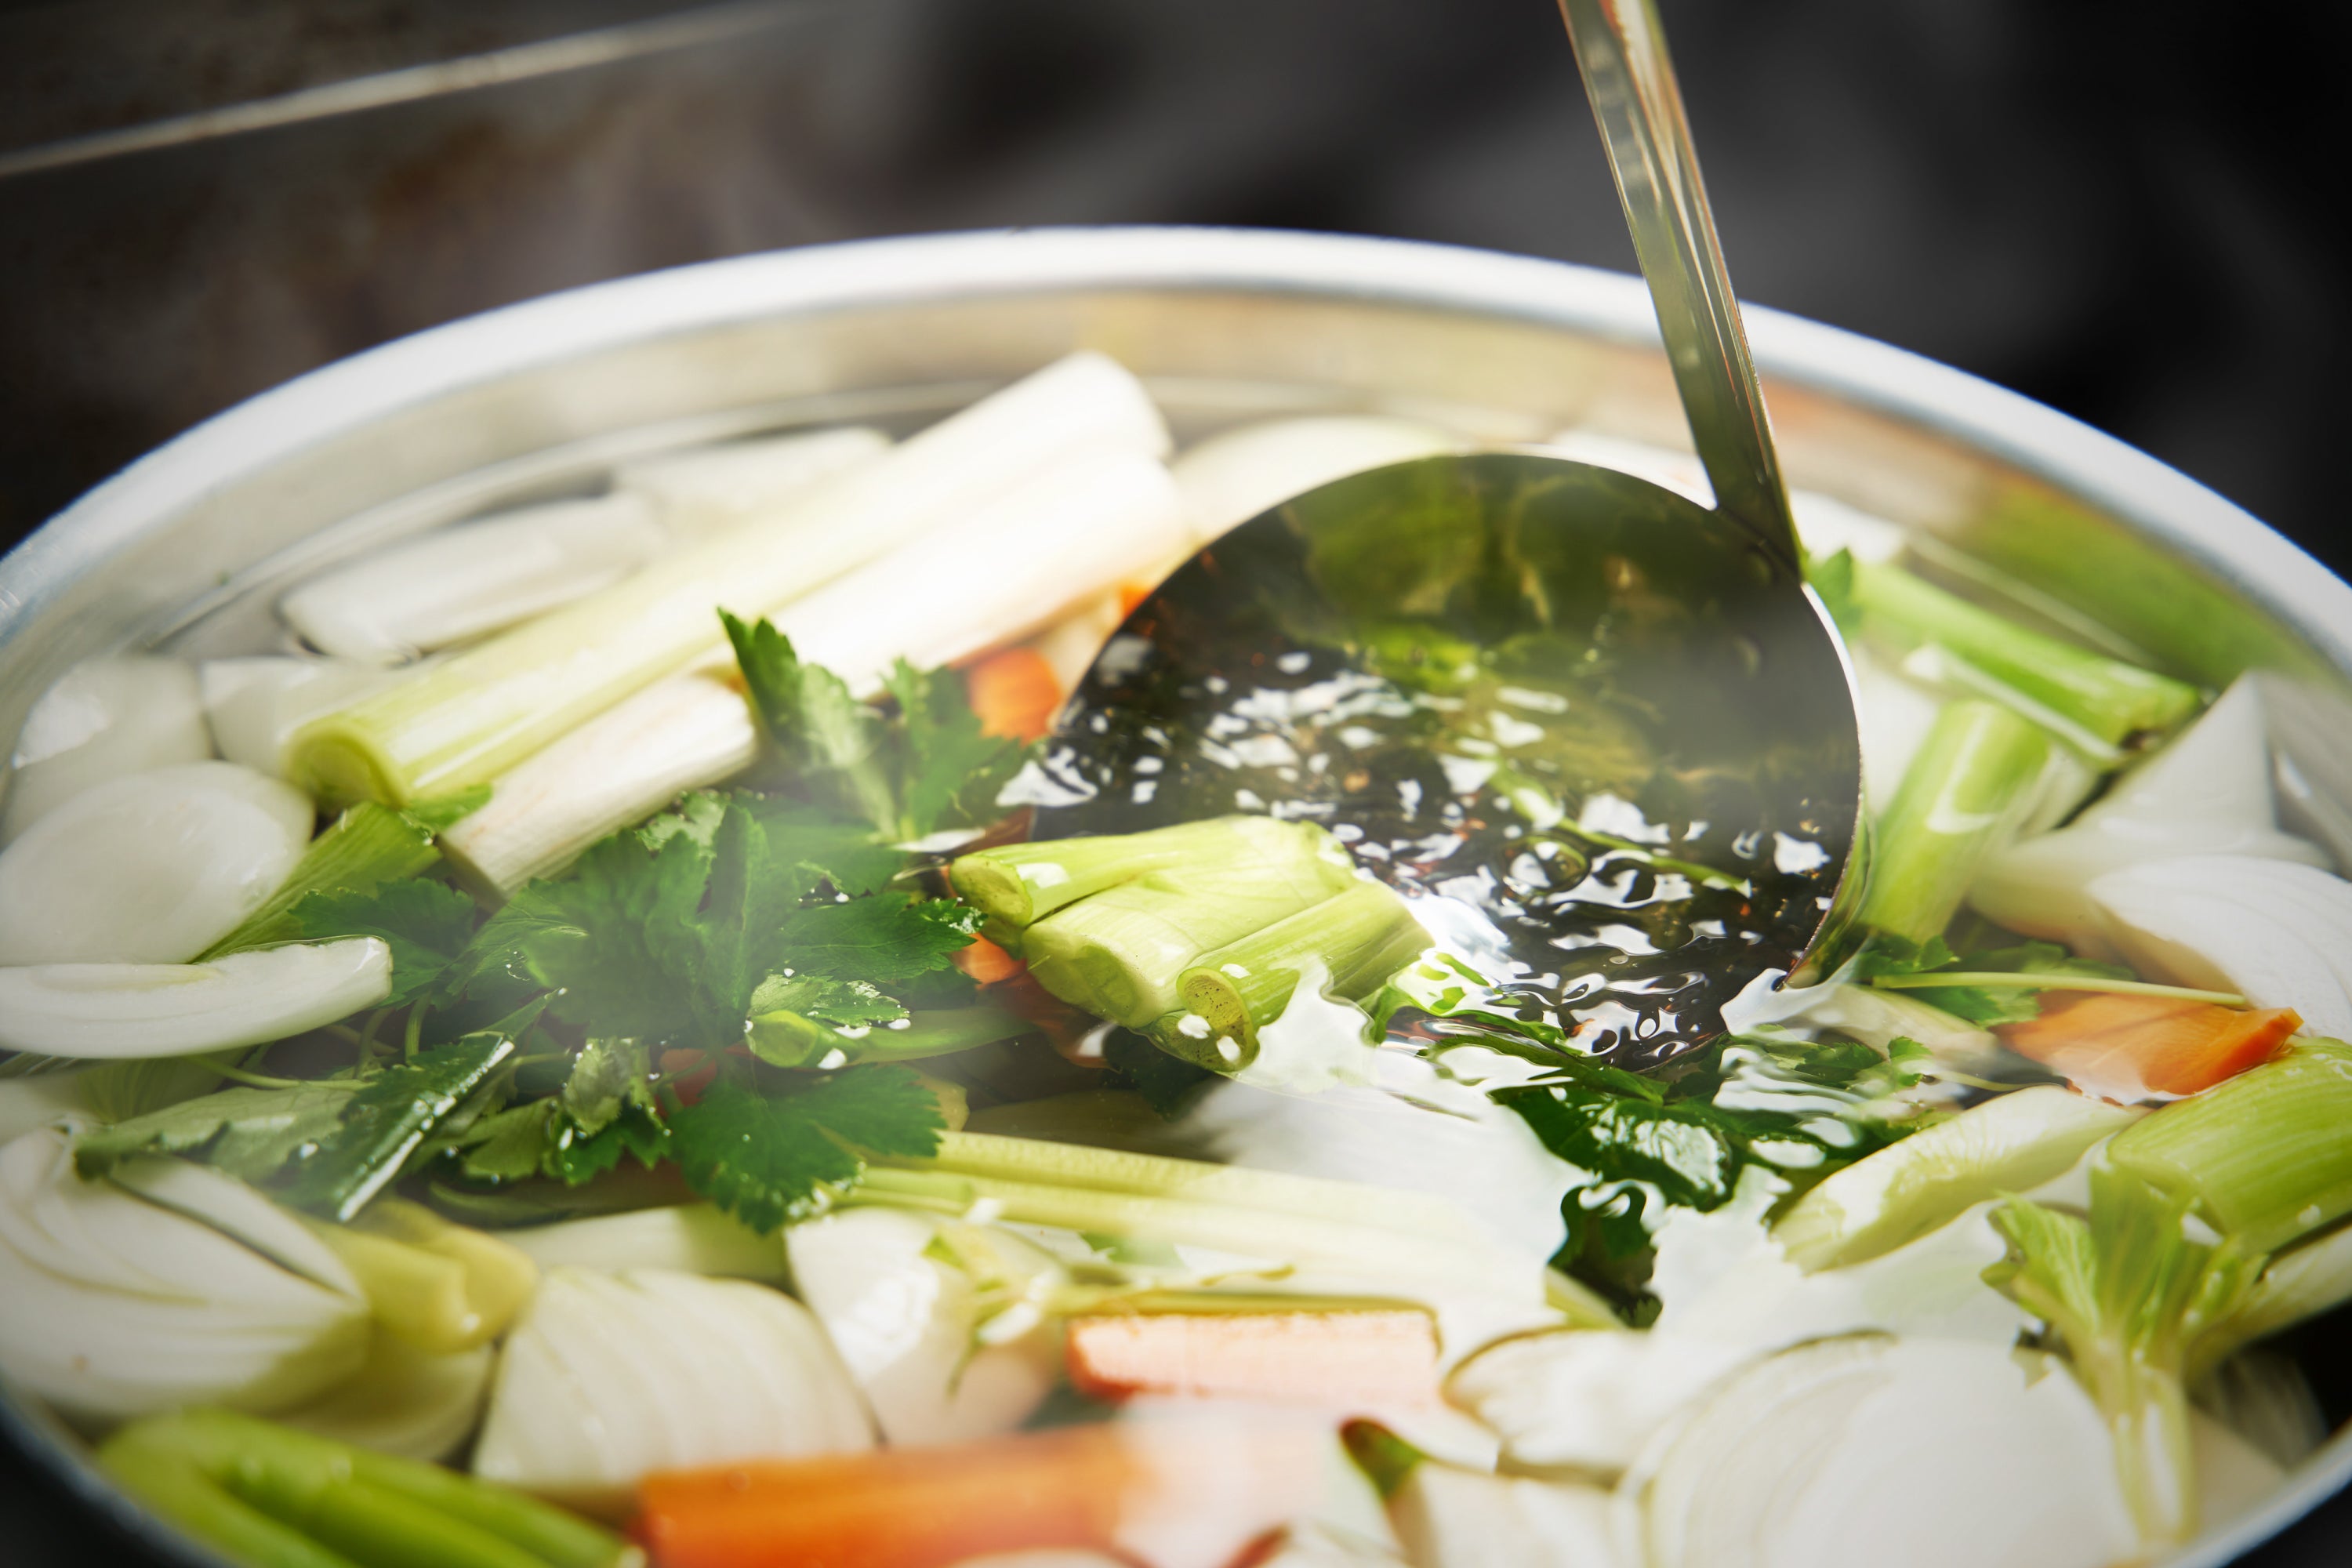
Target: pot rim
<point>2153,499</point>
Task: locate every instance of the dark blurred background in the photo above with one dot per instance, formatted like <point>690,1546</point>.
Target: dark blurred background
<point>2123,210</point>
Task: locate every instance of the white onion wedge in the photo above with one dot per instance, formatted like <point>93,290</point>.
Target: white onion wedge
<point>689,1238</point>
<point>610,1377</point>
<point>980,579</point>
<point>152,868</point>
<point>257,703</point>
<point>904,1322</point>
<point>112,1306</point>
<point>456,583</point>
<point>2277,933</point>
<point>1859,1452</point>
<point>2208,792</point>
<point>105,718</point>
<point>1449,1518</point>
<point>702,489</point>
<point>402,1401</point>
<point>1237,474</point>
<point>119,1010</point>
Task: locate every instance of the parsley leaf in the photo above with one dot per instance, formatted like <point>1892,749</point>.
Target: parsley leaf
<point>425,923</point>
<point>390,1118</point>
<point>881,939</point>
<point>1888,957</point>
<point>949,772</point>
<point>606,1076</point>
<point>251,1133</point>
<point>765,1158</point>
<point>576,1157</point>
<point>834,739</point>
<point>1832,579</point>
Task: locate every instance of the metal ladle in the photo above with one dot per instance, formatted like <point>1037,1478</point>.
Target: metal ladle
<point>1605,734</point>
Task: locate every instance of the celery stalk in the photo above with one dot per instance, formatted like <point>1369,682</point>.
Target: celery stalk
<point>474,716</point>
<point>289,1499</point>
<point>1016,885</point>
<point>367,844</point>
<point>1360,936</point>
<point>1972,780</point>
<point>785,1038</point>
<point>2309,1280</point>
<point>2112,699</point>
<point>1122,953</point>
<point>2266,1154</point>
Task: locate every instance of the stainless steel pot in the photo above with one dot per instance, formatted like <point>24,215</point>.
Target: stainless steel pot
<point>187,545</point>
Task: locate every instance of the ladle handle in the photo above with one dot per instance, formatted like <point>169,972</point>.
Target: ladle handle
<point>1621,51</point>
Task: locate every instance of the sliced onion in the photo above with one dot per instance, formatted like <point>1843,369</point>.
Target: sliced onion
<point>459,582</point>
<point>104,719</point>
<point>1449,1518</point>
<point>402,1400</point>
<point>611,1376</point>
<point>112,1306</point>
<point>1237,474</point>
<point>116,1010</point>
<point>906,1324</point>
<point>257,704</point>
<point>1865,1451</point>
<point>704,489</point>
<point>692,1238</point>
<point>151,868</point>
<point>2277,933</point>
<point>2208,792</point>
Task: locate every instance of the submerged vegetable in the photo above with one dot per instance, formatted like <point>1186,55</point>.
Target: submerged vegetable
<point>117,1010</point>
<point>1970,787</point>
<point>152,868</point>
<point>1337,1360</point>
<point>609,1377</point>
<point>1238,473</point>
<point>2129,1047</point>
<point>438,1287</point>
<point>2277,933</point>
<point>457,583</point>
<point>1451,1518</point>
<point>104,719</point>
<point>115,1304</point>
<point>411,1403</point>
<point>701,490</point>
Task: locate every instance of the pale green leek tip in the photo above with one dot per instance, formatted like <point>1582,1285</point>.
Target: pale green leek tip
<point>1964,793</point>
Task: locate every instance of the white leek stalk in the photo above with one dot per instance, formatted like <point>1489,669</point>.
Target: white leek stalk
<point>2009,1144</point>
<point>687,1238</point>
<point>117,1010</point>
<point>2274,932</point>
<point>1450,1518</point>
<point>680,733</point>
<point>152,868</point>
<point>1897,714</point>
<point>1238,473</point>
<point>980,578</point>
<point>907,1323</point>
<point>1862,1451</point>
<point>2207,793</point>
<point>456,583</point>
<point>113,1305</point>
<point>611,1376</point>
<point>482,712</point>
<point>257,703</point>
<point>702,489</point>
<point>416,1404</point>
<point>103,718</point>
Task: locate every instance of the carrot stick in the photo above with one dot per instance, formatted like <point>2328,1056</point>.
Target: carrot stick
<point>900,1507</point>
<point>987,962</point>
<point>1013,693</point>
<point>2125,1046</point>
<point>1348,1358</point>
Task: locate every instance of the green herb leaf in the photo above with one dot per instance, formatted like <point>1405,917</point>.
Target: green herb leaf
<point>510,1145</point>
<point>1170,1085</point>
<point>251,1133</point>
<point>390,1118</point>
<point>443,812</point>
<point>1886,957</point>
<point>949,772</point>
<point>607,1075</point>
<point>577,1157</point>
<point>769,1159</point>
<point>881,939</point>
<point>834,739</point>
<point>425,923</point>
<point>1832,579</point>
<point>367,846</point>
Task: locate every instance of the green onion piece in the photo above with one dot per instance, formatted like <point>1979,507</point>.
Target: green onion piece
<point>1359,937</point>
<point>1122,953</point>
<point>2266,1154</point>
<point>289,1499</point>
<point>787,1040</point>
<point>1974,778</point>
<point>2112,699</point>
<point>367,844</point>
<point>1017,885</point>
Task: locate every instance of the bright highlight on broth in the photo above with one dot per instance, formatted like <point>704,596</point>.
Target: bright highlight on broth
<point>575,1057</point>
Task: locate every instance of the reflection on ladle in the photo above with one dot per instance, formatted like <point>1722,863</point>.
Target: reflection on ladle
<point>1603,735</point>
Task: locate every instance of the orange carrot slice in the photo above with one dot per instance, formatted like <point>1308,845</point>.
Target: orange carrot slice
<point>2130,1047</point>
<point>1015,693</point>
<point>1349,1359</point>
<point>900,1507</point>
<point>987,962</point>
